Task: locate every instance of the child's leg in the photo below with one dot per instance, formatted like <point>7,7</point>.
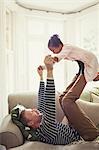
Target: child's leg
<point>81,66</point>
<point>75,116</point>
<point>81,71</point>
<point>97,77</point>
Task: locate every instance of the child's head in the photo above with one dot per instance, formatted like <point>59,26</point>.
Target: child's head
<point>55,44</point>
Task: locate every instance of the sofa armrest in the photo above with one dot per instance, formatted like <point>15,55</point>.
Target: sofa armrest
<point>10,135</point>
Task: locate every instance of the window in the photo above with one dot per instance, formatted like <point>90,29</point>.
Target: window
<point>89,36</point>
<point>38,34</point>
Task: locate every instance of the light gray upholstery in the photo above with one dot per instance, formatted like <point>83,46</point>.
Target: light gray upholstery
<point>10,134</point>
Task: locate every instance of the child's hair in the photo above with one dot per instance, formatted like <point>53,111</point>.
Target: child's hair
<point>54,41</point>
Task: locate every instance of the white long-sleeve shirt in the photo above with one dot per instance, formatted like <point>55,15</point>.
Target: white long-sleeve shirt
<point>88,58</point>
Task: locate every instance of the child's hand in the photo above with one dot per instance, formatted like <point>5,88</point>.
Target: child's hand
<point>40,71</point>
<point>55,59</point>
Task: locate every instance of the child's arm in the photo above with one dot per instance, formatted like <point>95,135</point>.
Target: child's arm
<point>56,59</point>
<point>63,54</point>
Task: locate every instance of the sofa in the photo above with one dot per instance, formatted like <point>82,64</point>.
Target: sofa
<point>11,136</point>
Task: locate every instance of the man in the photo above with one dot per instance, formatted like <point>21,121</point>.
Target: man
<point>43,119</point>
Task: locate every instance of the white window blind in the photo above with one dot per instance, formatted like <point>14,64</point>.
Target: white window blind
<point>38,34</point>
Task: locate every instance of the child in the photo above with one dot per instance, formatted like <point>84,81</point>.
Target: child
<point>67,51</point>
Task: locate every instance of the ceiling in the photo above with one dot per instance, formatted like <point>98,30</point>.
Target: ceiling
<point>58,6</point>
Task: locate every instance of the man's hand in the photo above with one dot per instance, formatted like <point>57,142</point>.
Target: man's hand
<point>49,61</point>
<point>40,72</point>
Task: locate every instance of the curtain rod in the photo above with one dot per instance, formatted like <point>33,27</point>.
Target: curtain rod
<point>63,13</point>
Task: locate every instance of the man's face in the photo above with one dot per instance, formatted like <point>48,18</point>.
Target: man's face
<point>33,117</point>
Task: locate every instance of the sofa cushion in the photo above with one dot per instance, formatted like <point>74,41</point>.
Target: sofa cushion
<point>86,96</point>
<point>81,145</point>
<point>10,135</point>
<point>95,98</point>
<point>2,147</point>
<point>28,100</point>
<point>38,146</point>
<point>95,90</point>
<point>87,93</point>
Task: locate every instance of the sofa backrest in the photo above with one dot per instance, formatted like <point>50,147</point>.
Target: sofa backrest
<point>29,100</point>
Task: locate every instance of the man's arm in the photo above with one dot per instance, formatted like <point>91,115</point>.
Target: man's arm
<point>41,103</point>
<point>50,109</point>
<point>49,120</point>
<point>49,98</point>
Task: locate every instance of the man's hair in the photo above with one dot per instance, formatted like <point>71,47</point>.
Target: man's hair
<point>23,118</point>
<point>54,41</point>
